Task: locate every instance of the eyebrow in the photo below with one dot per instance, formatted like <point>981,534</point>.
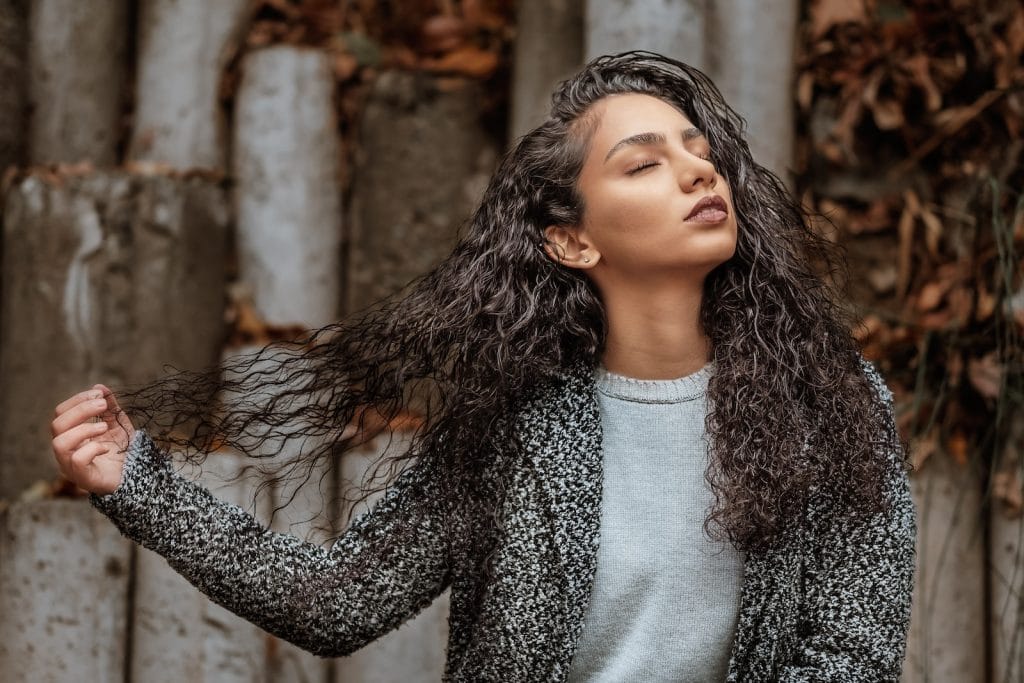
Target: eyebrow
<point>649,139</point>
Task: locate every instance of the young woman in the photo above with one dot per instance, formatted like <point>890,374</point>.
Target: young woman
<point>650,448</point>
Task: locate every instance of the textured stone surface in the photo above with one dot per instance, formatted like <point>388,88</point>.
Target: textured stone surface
<point>750,57</point>
<point>183,48</point>
<point>106,278</point>
<point>674,29</point>
<point>63,593</point>
<point>1006,540</point>
<point>77,72</point>
<point>422,164</point>
<point>14,76</point>
<point>548,49</point>
<point>947,623</point>
<point>288,196</point>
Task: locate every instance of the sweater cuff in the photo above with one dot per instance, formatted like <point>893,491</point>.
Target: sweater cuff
<point>144,466</point>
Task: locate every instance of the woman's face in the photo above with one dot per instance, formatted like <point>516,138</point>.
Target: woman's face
<point>645,172</point>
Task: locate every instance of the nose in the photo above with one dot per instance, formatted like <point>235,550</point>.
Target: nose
<point>696,172</point>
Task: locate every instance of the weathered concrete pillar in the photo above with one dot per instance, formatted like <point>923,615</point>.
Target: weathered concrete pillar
<point>14,77</point>
<point>289,236</point>
<point>106,278</point>
<point>63,593</point>
<point>178,633</point>
<point>288,195</point>
<point>183,48</point>
<point>750,56</point>
<point>675,29</point>
<point>1006,572</point>
<point>548,49</point>
<point>947,629</point>
<point>422,164</point>
<point>415,651</point>
<point>76,80</point>
<point>745,46</point>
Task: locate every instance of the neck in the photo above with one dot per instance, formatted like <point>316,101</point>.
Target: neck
<point>655,333</point>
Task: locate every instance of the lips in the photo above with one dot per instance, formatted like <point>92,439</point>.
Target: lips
<point>710,209</point>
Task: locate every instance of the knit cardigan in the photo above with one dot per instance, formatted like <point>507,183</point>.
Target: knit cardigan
<point>828,601</point>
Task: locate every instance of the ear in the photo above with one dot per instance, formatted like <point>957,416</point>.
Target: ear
<point>569,246</point>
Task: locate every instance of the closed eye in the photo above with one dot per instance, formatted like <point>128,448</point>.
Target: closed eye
<point>647,163</point>
<point>641,166</point>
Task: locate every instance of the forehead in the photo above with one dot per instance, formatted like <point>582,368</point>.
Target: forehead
<point>622,115</point>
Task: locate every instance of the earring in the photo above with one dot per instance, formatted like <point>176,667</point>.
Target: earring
<point>586,259</point>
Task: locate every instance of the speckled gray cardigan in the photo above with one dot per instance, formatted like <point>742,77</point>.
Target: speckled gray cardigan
<point>829,602</point>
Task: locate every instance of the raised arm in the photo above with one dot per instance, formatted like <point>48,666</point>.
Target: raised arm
<point>858,583</point>
<point>330,602</point>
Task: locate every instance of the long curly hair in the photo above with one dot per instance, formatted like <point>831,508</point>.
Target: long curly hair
<point>463,345</point>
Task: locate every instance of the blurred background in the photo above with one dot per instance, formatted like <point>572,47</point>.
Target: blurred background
<point>184,180</point>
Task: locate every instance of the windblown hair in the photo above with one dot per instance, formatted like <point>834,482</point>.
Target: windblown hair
<point>464,345</point>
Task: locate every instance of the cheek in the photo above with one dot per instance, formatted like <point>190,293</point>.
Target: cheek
<point>629,212</point>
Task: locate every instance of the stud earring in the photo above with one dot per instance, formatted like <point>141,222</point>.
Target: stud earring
<point>586,259</point>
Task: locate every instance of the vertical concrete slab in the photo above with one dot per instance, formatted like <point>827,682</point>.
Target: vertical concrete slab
<point>675,29</point>
<point>77,71</point>
<point>288,196</point>
<point>183,48</point>
<point>1006,564</point>
<point>422,164</point>
<point>64,577</point>
<point>105,278</point>
<point>548,49</point>
<point>415,651</point>
<point>947,629</point>
<point>178,633</point>
<point>14,76</point>
<point>750,55</point>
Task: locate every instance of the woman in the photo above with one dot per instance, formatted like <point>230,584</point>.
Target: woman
<point>631,334</point>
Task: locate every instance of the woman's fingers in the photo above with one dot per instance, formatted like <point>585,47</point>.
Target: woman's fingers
<point>75,413</point>
<point>68,441</point>
<point>75,400</point>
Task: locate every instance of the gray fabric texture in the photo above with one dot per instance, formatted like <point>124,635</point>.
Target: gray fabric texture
<point>666,597</point>
<point>829,600</point>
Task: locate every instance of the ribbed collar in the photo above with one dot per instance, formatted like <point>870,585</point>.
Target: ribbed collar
<point>676,390</point>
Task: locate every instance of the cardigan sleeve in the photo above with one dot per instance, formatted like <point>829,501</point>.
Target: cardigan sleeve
<point>330,602</point>
<point>858,582</point>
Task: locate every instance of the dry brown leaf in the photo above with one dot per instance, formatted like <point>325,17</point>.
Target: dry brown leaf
<point>469,60</point>
<point>986,303</point>
<point>932,231</point>
<point>957,445</point>
<point>955,368</point>
<point>905,231</point>
<point>1006,488</point>
<point>918,68</point>
<point>805,90</point>
<point>922,448</point>
<point>931,295</point>
<point>949,122</point>
<point>345,66</point>
<point>478,15</point>
<point>827,13</point>
<point>443,33</point>
<point>985,375</point>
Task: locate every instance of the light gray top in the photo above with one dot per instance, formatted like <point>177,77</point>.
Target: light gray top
<point>666,598</point>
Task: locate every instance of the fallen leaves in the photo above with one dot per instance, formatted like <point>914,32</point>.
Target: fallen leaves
<point>912,114</point>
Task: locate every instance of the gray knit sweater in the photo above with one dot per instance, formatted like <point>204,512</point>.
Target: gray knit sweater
<point>829,601</point>
<point>665,599</point>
